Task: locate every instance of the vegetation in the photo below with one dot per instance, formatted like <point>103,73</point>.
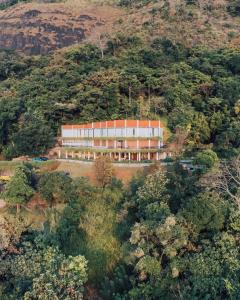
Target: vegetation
<point>195,89</point>
<point>18,190</point>
<point>148,240</point>
<point>8,3</point>
<point>104,171</point>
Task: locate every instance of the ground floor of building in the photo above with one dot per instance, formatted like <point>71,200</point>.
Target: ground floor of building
<point>114,155</point>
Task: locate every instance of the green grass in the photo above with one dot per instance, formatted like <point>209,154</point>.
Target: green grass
<point>9,166</point>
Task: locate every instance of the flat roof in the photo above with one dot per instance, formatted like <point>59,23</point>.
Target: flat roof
<point>116,124</point>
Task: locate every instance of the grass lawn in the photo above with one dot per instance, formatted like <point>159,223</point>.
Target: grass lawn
<point>87,170</point>
<point>8,167</point>
<point>75,169</point>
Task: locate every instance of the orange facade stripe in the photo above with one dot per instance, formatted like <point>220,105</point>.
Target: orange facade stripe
<point>89,125</point>
<point>72,126</point>
<point>120,123</point>
<point>144,123</point>
<point>97,125</point>
<point>155,123</point>
<point>110,124</point>
<point>132,123</point>
<point>117,124</point>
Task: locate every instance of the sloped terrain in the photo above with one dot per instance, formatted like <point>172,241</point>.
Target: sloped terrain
<point>39,28</point>
<point>207,23</point>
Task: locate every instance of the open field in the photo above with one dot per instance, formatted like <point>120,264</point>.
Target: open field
<point>79,169</point>
<point>8,167</point>
<point>75,169</point>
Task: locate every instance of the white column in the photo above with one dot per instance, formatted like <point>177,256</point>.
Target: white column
<point>59,153</point>
<point>149,156</point>
<point>88,155</point>
<point>119,156</point>
<point>94,155</point>
<point>66,154</point>
<point>115,144</point>
<point>137,128</point>
<point>125,123</point>
<point>149,143</point>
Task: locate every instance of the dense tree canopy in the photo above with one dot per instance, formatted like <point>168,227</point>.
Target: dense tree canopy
<point>19,190</point>
<point>194,89</point>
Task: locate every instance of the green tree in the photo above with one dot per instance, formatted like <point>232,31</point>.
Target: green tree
<point>40,272</point>
<point>104,171</point>
<point>19,190</point>
<point>33,138</point>
<point>205,211</point>
<point>55,187</point>
<point>206,158</point>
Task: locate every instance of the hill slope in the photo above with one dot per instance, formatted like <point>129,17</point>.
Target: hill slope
<point>36,28</point>
<point>207,23</point>
<point>39,28</point>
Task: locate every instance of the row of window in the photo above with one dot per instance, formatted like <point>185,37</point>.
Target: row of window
<point>103,144</point>
<point>81,143</point>
<point>113,132</point>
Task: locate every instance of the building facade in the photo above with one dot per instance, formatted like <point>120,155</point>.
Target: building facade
<point>118,139</point>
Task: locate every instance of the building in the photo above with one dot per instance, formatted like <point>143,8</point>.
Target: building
<point>118,139</point>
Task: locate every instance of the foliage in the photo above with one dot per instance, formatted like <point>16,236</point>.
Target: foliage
<point>40,272</point>
<point>34,137</point>
<point>10,233</point>
<point>205,212</point>
<point>88,226</point>
<point>197,90</point>
<point>206,158</point>
<point>234,7</point>
<point>104,171</point>
<point>55,187</point>
<point>19,190</point>
<point>187,250</point>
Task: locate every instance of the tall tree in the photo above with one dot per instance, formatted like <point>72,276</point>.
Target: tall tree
<point>104,171</point>
<point>19,189</point>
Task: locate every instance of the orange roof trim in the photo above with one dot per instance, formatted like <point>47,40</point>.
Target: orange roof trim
<point>116,124</point>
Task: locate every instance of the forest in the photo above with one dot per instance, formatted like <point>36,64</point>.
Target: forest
<point>169,234</point>
<point>193,89</point>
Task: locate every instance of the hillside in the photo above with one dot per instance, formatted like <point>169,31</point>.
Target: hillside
<point>36,28</point>
<point>200,22</point>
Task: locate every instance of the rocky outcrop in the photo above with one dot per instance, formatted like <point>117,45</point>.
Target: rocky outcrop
<point>39,28</point>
